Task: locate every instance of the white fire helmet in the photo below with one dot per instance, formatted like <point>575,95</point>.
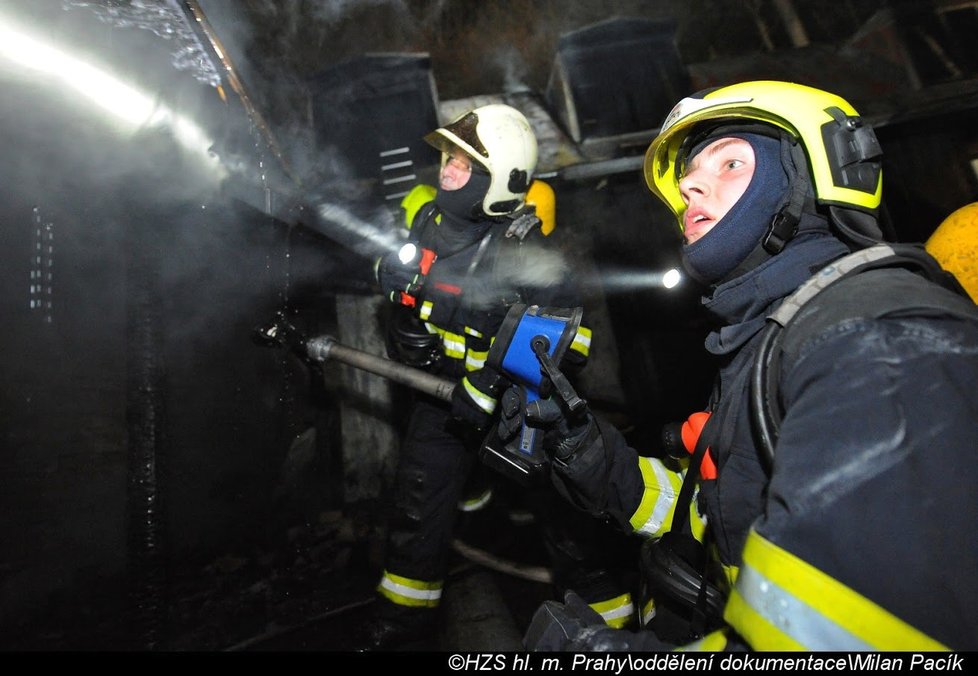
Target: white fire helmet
<point>501,142</point>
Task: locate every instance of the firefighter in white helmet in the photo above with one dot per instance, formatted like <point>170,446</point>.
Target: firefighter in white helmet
<point>477,245</point>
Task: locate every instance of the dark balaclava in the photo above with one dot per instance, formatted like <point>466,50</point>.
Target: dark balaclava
<point>735,236</point>
<point>462,219</point>
<point>466,202</point>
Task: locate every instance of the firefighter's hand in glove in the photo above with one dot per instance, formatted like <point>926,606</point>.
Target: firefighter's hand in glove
<point>564,432</point>
<point>474,398</point>
<point>561,626</point>
<point>575,626</point>
<point>395,277</point>
<point>581,467</point>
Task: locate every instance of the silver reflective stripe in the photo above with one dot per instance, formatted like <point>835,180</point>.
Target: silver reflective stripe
<point>487,404</point>
<point>410,592</point>
<point>649,613</point>
<point>663,503</point>
<point>454,345</point>
<point>473,362</point>
<point>583,340</point>
<point>792,616</point>
<point>625,610</point>
<point>828,275</point>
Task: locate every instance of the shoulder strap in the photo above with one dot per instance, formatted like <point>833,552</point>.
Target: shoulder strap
<point>523,223</point>
<point>680,516</point>
<point>766,372</point>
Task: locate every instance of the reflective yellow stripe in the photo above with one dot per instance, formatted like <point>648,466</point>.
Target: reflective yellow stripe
<point>697,524</point>
<point>784,603</point>
<point>485,402</point>
<point>477,503</point>
<point>654,512</point>
<point>617,612</point>
<point>475,360</point>
<point>472,332</point>
<point>414,200</point>
<point>425,311</point>
<point>453,345</point>
<point>713,642</point>
<point>648,612</point>
<point>407,592</point>
<point>582,341</point>
<point>730,574</point>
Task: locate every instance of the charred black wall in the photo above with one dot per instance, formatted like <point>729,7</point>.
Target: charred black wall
<point>373,113</point>
<point>617,77</point>
<point>143,431</point>
<point>927,171</point>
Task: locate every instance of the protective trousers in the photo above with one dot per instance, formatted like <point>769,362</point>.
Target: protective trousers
<point>436,460</point>
<point>432,469</point>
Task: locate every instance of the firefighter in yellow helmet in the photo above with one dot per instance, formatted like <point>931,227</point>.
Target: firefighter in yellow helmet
<point>955,245</point>
<point>829,503</point>
<point>477,245</point>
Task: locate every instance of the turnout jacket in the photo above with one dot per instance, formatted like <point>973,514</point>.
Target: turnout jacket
<point>472,284</point>
<point>861,534</point>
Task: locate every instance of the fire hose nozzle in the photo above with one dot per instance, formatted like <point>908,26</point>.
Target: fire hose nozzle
<point>318,348</point>
<point>322,348</point>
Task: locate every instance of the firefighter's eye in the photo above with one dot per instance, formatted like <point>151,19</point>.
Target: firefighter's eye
<point>460,163</point>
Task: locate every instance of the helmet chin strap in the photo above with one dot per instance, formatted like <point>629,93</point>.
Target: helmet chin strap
<point>784,225</point>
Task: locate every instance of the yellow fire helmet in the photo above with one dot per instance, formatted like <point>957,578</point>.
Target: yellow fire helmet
<point>541,197</point>
<point>955,246</point>
<point>499,138</point>
<point>843,152</point>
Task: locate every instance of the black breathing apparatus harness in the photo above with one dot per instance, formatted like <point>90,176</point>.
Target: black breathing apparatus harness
<point>675,565</point>
<point>765,403</point>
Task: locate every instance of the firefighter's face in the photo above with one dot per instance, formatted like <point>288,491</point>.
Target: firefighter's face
<point>456,171</point>
<point>714,180</point>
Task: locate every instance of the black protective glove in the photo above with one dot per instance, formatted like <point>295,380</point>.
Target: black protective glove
<point>395,277</point>
<point>474,399</point>
<point>591,467</point>
<point>575,626</point>
<point>561,626</point>
<point>564,432</point>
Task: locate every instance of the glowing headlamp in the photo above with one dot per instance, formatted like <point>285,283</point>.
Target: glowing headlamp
<point>408,253</point>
